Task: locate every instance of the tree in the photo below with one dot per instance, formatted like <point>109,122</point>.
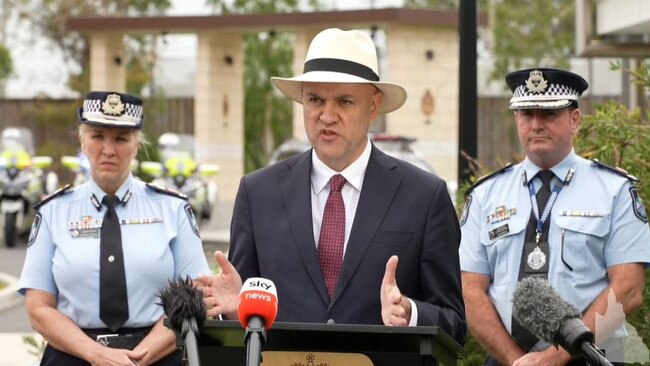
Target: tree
<point>540,35</point>
<point>6,63</point>
<point>621,137</point>
<point>267,113</point>
<point>48,18</point>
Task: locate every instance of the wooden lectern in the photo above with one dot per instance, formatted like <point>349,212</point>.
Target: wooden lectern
<point>308,344</point>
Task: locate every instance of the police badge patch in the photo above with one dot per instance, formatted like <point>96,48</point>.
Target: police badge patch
<point>35,226</point>
<point>536,82</point>
<point>113,105</point>
<point>637,205</point>
<point>463,217</point>
<point>192,218</point>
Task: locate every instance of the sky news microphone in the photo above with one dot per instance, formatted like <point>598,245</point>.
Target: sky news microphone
<point>183,306</point>
<point>542,311</point>
<point>257,309</point>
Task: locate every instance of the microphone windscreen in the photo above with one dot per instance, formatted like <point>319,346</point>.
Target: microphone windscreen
<point>258,297</point>
<point>538,308</point>
<point>181,300</point>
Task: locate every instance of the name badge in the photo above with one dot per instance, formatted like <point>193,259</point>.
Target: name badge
<point>500,231</point>
<point>87,227</point>
<point>583,213</point>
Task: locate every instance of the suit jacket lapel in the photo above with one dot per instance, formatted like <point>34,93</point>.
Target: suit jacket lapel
<point>379,187</point>
<point>296,189</point>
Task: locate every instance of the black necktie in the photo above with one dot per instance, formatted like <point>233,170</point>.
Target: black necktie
<point>524,338</point>
<point>544,192</point>
<point>113,302</point>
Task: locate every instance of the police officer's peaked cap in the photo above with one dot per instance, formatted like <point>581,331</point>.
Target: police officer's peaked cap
<point>111,109</point>
<point>544,88</point>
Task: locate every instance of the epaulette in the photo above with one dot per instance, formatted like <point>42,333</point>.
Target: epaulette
<point>167,191</point>
<point>486,177</point>
<point>616,170</point>
<point>55,194</point>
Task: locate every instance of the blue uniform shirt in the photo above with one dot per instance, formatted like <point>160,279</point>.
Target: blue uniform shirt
<point>596,223</point>
<point>159,239</point>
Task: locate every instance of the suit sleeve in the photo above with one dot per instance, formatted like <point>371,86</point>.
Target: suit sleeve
<point>441,302</point>
<point>242,253</point>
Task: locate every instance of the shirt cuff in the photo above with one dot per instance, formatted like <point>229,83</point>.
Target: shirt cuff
<point>414,314</point>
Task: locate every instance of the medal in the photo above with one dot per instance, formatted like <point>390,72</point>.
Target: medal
<point>536,259</point>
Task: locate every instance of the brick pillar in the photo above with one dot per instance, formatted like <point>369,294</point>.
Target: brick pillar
<point>301,44</point>
<point>219,108</point>
<point>107,62</point>
<point>425,59</point>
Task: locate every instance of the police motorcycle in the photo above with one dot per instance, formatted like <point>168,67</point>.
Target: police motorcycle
<point>23,182</point>
<point>179,171</point>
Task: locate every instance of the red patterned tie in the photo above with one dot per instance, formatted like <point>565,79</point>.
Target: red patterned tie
<point>332,235</point>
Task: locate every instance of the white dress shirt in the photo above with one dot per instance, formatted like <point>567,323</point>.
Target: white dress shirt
<point>320,190</point>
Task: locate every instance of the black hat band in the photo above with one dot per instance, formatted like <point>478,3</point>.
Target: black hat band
<point>343,66</point>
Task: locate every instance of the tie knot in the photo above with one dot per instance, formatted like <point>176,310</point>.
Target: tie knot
<point>110,201</point>
<point>337,182</point>
<point>545,176</point>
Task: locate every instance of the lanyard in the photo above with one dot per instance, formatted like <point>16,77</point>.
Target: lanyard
<point>549,204</point>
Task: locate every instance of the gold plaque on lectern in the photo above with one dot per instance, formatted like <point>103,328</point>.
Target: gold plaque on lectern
<point>282,358</point>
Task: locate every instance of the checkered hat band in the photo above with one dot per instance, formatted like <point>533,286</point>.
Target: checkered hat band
<point>553,104</point>
<point>92,110</point>
<point>554,92</point>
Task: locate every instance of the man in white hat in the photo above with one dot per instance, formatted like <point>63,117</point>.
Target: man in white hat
<point>328,226</point>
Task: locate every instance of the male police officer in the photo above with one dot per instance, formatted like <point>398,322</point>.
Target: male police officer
<point>577,223</point>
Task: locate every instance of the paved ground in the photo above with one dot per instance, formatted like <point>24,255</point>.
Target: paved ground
<point>14,323</point>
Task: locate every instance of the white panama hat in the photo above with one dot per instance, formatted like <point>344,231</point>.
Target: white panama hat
<point>338,56</point>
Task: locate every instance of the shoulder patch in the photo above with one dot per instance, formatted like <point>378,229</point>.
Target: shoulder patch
<point>637,205</point>
<point>192,218</point>
<point>616,170</point>
<point>487,177</point>
<point>167,191</point>
<point>463,218</point>
<point>34,231</point>
<point>55,194</point>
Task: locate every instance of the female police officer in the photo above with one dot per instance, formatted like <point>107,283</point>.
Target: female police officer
<point>98,255</point>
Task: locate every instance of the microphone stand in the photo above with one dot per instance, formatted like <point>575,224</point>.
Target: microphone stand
<point>189,334</point>
<point>593,357</point>
<point>254,337</point>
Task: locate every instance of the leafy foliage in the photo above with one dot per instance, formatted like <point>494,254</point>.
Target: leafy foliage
<point>36,347</point>
<point>542,35</point>
<point>620,137</point>
<point>6,63</point>
<point>48,18</point>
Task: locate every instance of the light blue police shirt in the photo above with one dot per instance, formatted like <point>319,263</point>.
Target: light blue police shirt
<point>596,223</point>
<point>159,239</point>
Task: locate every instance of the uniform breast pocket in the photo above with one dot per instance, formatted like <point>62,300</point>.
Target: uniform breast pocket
<point>503,242</point>
<point>582,241</point>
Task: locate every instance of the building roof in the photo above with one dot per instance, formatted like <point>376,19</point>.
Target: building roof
<point>280,22</point>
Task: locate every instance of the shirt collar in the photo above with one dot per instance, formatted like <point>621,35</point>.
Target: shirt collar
<point>353,174</point>
<point>560,169</point>
<point>124,192</point>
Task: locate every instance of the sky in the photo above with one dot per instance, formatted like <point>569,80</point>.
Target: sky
<point>40,69</point>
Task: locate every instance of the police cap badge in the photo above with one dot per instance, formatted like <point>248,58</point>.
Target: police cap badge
<point>544,88</point>
<point>111,109</point>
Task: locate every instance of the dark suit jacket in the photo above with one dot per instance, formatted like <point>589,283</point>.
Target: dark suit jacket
<point>402,210</point>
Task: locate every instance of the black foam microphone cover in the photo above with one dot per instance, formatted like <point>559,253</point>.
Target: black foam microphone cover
<point>546,315</point>
<point>181,300</point>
